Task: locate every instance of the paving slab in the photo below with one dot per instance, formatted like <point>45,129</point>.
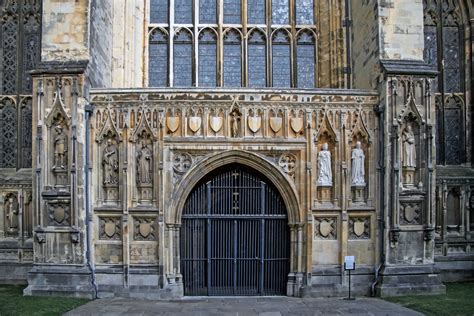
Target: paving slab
<point>236,306</point>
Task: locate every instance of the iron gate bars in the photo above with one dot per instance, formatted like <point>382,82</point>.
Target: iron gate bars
<point>234,236</point>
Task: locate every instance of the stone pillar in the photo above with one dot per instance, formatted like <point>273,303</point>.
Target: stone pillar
<point>59,183</point>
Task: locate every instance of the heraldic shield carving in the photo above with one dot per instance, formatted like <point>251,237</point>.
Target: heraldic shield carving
<point>276,123</point>
<point>216,123</point>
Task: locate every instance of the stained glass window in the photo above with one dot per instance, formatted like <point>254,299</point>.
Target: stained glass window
<point>183,11</point>
<point>304,12</point>
<point>207,11</point>
<point>158,54</point>
<point>232,12</point>
<point>232,59</point>
<point>280,12</point>
<point>207,59</point>
<point>305,51</point>
<point>257,54</point>
<point>281,66</point>
<point>183,59</point>
<point>256,11</point>
<point>159,11</point>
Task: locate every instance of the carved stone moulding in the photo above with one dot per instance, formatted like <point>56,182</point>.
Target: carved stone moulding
<point>359,227</point>
<point>325,228</point>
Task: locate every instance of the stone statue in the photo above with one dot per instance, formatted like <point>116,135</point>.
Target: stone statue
<point>110,163</point>
<point>235,124</point>
<point>144,163</point>
<point>11,212</point>
<point>60,148</point>
<point>358,166</point>
<point>324,166</point>
<point>409,150</point>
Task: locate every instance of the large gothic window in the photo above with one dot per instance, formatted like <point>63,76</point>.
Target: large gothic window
<point>444,51</point>
<point>233,43</point>
<point>20,44</point>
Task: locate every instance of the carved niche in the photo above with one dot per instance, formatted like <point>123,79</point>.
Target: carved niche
<point>57,122</point>
<point>108,139</point>
<point>235,121</point>
<point>144,136</point>
<point>11,211</point>
<point>359,155</point>
<point>325,228</point>
<point>110,228</point>
<point>359,227</point>
<point>144,229</point>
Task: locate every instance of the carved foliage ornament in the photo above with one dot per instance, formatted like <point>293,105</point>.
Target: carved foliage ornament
<point>325,228</point>
<point>181,163</point>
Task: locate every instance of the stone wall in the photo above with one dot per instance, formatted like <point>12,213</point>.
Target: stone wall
<point>65,30</point>
<point>101,20</point>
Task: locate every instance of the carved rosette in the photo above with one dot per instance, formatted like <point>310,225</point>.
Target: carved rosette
<point>288,163</point>
<point>182,162</point>
<point>325,228</point>
<point>144,229</point>
<point>110,228</point>
<point>359,227</point>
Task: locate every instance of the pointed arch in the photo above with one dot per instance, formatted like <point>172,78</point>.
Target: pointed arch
<point>232,57</point>
<point>257,58</point>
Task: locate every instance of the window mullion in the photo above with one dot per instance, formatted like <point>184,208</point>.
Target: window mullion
<point>171,44</point>
<point>220,43</point>
<point>196,43</point>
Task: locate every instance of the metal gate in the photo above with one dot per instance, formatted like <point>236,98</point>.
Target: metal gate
<point>234,236</point>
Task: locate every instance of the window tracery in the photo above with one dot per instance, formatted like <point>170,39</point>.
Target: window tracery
<point>444,51</point>
<point>239,55</point>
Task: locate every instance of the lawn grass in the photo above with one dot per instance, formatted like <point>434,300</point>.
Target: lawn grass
<point>12,302</point>
<point>458,300</point>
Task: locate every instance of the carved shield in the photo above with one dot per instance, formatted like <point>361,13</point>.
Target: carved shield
<point>276,123</point>
<point>145,229</point>
<point>359,228</point>
<point>410,213</point>
<point>325,228</point>
<point>255,122</point>
<point>216,123</point>
<point>110,229</point>
<point>59,214</point>
<point>195,123</point>
<point>296,124</point>
<point>173,123</point>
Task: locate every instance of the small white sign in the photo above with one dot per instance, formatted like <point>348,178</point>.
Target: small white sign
<point>349,263</point>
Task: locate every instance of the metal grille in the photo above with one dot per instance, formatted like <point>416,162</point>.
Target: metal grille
<point>234,236</point>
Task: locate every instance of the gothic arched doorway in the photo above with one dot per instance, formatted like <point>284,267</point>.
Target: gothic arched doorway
<point>234,235</point>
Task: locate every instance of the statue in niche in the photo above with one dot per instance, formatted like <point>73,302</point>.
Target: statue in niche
<point>235,123</point>
<point>358,165</point>
<point>110,163</point>
<point>60,148</point>
<point>144,163</point>
<point>11,212</point>
<point>324,166</point>
<point>409,150</point>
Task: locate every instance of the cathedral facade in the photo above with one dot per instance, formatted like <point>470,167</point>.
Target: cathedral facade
<point>169,148</point>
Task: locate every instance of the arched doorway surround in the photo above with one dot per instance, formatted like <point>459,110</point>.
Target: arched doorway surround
<point>283,184</point>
